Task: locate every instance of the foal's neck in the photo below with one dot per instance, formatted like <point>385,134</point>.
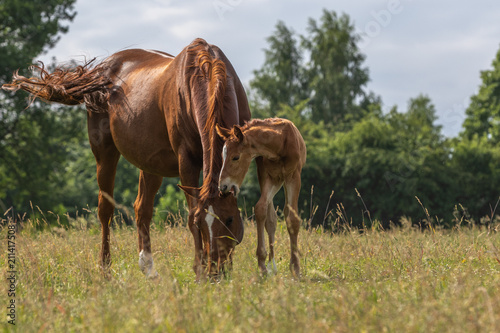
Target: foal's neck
<point>263,141</point>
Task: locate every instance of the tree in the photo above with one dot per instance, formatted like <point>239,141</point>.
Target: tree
<point>319,85</point>
<point>391,159</point>
<point>28,28</point>
<point>326,69</point>
<point>476,162</point>
<point>280,80</point>
<point>476,156</point>
<point>335,73</point>
<point>483,113</point>
<point>45,156</point>
<point>356,150</point>
<point>31,165</point>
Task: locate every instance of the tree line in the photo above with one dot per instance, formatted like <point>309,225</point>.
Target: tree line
<point>379,166</point>
<point>364,166</point>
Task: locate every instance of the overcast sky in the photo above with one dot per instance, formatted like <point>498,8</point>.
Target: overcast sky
<point>412,47</point>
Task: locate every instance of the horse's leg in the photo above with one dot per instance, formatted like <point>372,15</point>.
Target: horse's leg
<point>189,175</point>
<point>198,264</point>
<point>292,189</point>
<point>265,215</point>
<point>106,171</point>
<point>106,156</point>
<point>143,206</point>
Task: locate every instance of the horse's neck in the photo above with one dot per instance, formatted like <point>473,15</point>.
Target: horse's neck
<point>264,142</point>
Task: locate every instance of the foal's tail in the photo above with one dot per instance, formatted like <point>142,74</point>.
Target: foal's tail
<point>65,86</point>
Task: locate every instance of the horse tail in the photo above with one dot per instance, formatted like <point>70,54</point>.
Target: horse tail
<point>65,85</point>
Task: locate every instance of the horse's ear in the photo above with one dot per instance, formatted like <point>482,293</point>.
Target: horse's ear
<point>193,192</point>
<point>238,133</point>
<point>224,133</point>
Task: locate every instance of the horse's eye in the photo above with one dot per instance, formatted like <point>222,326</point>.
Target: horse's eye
<point>237,157</point>
<point>229,221</point>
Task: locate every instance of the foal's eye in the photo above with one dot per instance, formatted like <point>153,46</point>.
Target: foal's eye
<point>229,221</point>
<point>236,158</point>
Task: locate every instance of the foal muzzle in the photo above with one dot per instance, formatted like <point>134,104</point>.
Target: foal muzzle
<point>234,190</point>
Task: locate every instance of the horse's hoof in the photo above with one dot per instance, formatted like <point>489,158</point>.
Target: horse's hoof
<point>153,276</point>
<point>271,267</point>
<point>146,265</point>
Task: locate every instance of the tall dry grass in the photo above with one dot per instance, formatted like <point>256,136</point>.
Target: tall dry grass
<point>394,281</point>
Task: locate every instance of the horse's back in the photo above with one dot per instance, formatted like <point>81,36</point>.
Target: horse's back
<point>120,61</point>
<point>128,65</point>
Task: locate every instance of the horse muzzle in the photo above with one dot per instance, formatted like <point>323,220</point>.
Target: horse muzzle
<point>234,189</point>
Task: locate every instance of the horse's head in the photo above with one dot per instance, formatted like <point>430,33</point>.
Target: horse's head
<point>221,228</point>
<point>236,160</point>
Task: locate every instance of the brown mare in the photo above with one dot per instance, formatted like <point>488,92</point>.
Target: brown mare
<point>280,153</point>
<point>159,112</point>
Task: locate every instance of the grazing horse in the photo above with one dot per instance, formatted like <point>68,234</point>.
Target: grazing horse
<point>159,112</point>
<point>280,154</point>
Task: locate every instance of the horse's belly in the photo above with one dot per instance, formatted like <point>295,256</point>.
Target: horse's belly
<point>145,144</point>
<point>158,162</point>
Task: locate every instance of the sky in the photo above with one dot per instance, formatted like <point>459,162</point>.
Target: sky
<point>412,47</point>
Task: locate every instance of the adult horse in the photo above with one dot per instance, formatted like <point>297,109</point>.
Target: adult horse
<point>159,112</point>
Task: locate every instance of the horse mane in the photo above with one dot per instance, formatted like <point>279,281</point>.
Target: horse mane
<point>214,72</point>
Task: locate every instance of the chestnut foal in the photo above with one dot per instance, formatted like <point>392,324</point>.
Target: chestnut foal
<point>280,153</point>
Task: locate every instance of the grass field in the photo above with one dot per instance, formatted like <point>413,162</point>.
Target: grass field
<point>393,281</point>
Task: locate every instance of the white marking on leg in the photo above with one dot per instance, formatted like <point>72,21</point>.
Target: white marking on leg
<point>146,264</point>
<point>271,266</point>
<point>209,218</point>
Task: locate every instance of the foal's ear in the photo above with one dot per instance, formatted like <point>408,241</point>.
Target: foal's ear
<point>238,133</point>
<point>193,192</point>
<point>224,133</point>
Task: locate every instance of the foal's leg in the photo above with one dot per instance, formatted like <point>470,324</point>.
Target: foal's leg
<point>265,215</point>
<point>106,156</point>
<point>292,189</point>
<point>271,230</point>
<point>148,186</point>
